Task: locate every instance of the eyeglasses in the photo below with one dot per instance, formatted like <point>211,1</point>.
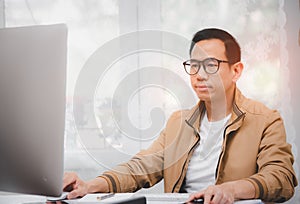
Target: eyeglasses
<point>210,65</point>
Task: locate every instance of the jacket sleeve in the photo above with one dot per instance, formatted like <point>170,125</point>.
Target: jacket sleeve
<point>143,170</point>
<point>275,180</point>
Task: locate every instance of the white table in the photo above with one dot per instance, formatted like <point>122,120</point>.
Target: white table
<point>151,198</point>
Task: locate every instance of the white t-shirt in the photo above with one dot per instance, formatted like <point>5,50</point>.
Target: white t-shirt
<point>203,164</point>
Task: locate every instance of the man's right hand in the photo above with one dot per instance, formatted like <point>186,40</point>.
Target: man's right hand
<point>79,188</point>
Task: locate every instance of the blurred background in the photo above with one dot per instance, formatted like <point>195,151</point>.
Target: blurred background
<point>135,86</point>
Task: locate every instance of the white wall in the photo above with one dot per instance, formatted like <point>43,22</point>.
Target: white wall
<point>292,10</point>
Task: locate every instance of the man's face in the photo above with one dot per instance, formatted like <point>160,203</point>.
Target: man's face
<point>212,87</point>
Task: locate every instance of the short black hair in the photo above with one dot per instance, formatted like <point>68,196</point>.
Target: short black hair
<point>232,48</point>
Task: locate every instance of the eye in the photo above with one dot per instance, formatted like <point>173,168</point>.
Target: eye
<point>211,65</point>
<point>210,62</point>
<point>194,65</point>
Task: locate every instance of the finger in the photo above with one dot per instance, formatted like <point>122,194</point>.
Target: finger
<point>68,180</point>
<point>217,197</point>
<point>191,197</point>
<point>69,177</point>
<point>74,194</point>
<point>207,197</point>
<point>195,196</point>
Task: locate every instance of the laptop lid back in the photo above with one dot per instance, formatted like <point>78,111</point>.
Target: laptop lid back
<point>32,108</point>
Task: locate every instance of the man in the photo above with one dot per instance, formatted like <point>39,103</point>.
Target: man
<point>226,148</point>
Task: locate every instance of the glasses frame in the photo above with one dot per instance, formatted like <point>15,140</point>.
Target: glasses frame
<point>201,64</point>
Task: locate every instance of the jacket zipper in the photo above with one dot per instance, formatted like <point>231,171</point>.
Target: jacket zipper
<point>198,139</point>
<point>224,142</point>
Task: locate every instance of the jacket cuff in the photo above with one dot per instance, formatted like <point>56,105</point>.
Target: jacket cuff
<point>260,187</point>
<point>113,182</point>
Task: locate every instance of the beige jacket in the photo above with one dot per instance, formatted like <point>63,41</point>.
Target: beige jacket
<point>254,148</point>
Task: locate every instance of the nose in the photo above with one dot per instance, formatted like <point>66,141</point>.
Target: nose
<point>201,75</point>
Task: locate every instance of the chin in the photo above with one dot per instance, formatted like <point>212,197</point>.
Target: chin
<point>204,97</point>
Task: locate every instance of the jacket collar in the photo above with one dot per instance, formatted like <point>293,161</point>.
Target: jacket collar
<point>237,115</point>
<point>193,118</point>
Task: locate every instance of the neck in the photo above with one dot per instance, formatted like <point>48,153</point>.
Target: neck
<point>220,108</point>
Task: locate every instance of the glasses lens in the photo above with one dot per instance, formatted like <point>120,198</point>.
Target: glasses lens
<point>191,67</point>
<point>211,65</point>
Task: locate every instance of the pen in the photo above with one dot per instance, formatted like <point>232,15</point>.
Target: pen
<point>105,196</point>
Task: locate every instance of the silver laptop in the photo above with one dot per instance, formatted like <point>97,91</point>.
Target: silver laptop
<point>32,108</point>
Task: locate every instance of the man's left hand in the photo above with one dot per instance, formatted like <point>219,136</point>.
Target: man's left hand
<point>215,194</point>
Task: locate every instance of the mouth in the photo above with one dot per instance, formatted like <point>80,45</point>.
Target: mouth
<point>202,87</point>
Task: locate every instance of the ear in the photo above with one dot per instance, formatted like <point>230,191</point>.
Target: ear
<point>237,70</point>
